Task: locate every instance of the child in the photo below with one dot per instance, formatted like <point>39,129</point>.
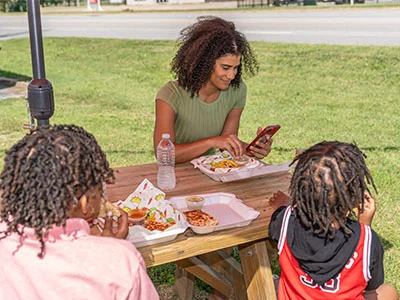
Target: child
<point>324,252</point>
<point>51,190</point>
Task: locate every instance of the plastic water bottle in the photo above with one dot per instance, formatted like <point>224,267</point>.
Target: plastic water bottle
<point>166,163</point>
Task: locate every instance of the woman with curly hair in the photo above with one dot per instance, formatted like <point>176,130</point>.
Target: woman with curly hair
<point>327,248</point>
<point>51,191</point>
<point>201,110</point>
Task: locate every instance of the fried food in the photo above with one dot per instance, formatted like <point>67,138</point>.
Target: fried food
<point>106,207</point>
<point>154,225</point>
<point>225,163</point>
<point>200,218</point>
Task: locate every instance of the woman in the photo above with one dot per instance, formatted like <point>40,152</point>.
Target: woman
<point>201,110</point>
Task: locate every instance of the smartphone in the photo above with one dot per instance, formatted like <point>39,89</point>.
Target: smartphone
<point>269,130</point>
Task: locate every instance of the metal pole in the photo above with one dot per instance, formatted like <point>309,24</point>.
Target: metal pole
<point>40,90</point>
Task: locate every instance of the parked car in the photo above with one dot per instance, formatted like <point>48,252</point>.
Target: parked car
<point>287,2</point>
<point>348,1</point>
<point>342,1</point>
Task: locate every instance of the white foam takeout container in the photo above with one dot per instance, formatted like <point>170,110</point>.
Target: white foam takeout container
<point>253,168</point>
<point>146,195</point>
<point>226,208</point>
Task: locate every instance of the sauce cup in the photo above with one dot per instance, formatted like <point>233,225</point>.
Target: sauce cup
<point>136,216</point>
<point>194,202</point>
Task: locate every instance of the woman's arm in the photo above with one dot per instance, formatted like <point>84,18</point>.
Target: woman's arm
<point>165,119</point>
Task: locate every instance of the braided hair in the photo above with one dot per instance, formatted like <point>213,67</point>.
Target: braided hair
<point>327,184</point>
<point>44,176</point>
<point>201,44</point>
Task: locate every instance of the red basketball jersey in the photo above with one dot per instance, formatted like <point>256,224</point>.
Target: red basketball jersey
<point>295,284</point>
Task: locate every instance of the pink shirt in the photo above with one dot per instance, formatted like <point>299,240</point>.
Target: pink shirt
<point>76,265</point>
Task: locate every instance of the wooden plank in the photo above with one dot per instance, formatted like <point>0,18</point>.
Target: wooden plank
<point>254,192</point>
<point>184,283</point>
<point>257,271</point>
<point>207,274</point>
<point>237,278</point>
<point>224,265</point>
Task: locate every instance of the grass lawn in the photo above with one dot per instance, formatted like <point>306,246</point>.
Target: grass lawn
<point>315,92</point>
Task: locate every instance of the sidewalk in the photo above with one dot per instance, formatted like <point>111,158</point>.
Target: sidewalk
<point>141,7</point>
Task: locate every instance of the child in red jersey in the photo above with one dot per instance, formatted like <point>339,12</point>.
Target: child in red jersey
<point>326,249</point>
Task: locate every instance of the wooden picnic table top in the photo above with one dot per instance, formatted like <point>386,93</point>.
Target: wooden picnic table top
<point>254,192</point>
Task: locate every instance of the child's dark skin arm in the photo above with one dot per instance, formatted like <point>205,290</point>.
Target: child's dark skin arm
<point>279,199</point>
<point>367,215</point>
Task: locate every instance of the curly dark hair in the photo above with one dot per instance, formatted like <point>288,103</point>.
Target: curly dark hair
<point>328,182</point>
<point>44,176</point>
<point>201,44</point>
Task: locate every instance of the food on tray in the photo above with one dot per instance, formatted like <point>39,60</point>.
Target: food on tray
<point>225,163</point>
<point>150,218</point>
<point>105,207</point>
<point>200,218</point>
<point>155,225</point>
<point>194,202</point>
<point>225,154</point>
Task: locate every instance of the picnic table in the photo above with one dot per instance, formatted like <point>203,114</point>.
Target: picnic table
<point>205,255</point>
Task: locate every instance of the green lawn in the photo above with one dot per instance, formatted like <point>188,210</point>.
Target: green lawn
<point>315,92</point>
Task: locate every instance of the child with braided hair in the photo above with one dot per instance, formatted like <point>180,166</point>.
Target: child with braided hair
<point>50,193</point>
<point>327,249</point>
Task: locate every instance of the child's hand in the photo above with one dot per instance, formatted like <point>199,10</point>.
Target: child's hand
<point>117,229</point>
<point>279,199</point>
<point>367,215</point>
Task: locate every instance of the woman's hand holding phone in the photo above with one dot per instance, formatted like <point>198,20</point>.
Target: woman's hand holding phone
<point>260,147</point>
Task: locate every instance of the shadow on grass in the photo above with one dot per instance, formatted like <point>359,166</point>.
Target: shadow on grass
<point>15,76</point>
<point>386,243</point>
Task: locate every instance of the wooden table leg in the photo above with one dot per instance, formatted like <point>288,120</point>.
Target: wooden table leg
<point>206,273</point>
<point>225,264</point>
<point>257,271</point>
<point>184,283</point>
<point>218,269</point>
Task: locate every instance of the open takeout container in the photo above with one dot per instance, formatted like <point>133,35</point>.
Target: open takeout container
<point>146,195</point>
<point>229,211</point>
<point>252,168</point>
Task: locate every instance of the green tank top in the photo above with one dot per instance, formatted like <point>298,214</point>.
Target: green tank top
<point>196,119</point>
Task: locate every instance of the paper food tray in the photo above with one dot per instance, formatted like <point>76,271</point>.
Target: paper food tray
<point>226,208</point>
<point>251,169</point>
<point>140,236</point>
<point>146,195</point>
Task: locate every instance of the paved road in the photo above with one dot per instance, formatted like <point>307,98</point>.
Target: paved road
<point>372,26</point>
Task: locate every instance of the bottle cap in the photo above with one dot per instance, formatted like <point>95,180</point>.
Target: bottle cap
<point>165,135</point>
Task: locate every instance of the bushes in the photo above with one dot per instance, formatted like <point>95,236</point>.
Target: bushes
<point>20,5</point>
<point>15,5</point>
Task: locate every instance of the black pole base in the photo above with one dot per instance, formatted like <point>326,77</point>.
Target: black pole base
<point>41,100</point>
